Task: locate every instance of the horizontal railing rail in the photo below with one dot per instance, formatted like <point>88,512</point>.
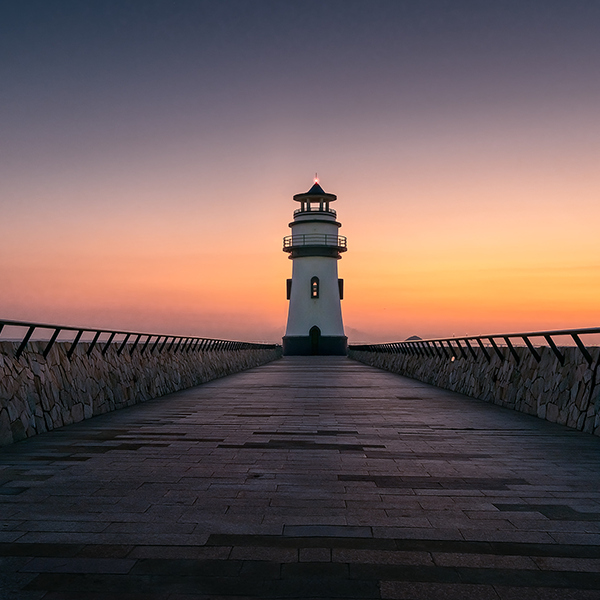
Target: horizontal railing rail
<point>130,340</point>
<point>464,347</point>
<point>328,211</point>
<point>314,239</point>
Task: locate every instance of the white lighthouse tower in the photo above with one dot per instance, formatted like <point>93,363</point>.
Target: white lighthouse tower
<point>314,323</point>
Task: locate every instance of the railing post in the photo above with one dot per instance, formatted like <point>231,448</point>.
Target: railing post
<point>511,348</point>
<point>471,349</point>
<point>137,339</point>
<point>451,349</point>
<point>583,349</point>
<point>51,342</point>
<point>145,344</point>
<point>93,342</point>
<point>74,344</point>
<point>495,347</point>
<point>484,350</point>
<point>557,352</point>
<point>108,342</point>
<point>462,352</point>
<point>443,348</point>
<point>533,351</point>
<point>155,344</point>
<point>25,341</point>
<point>122,347</point>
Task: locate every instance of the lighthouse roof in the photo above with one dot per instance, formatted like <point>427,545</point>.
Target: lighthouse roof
<point>315,192</point>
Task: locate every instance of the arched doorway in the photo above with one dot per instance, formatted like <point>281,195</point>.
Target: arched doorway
<point>315,336</point>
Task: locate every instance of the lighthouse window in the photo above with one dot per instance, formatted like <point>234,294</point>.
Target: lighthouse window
<point>314,287</point>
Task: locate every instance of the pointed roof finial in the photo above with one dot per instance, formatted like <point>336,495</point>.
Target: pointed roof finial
<point>316,178</point>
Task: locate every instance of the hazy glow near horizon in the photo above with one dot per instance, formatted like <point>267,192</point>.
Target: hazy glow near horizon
<point>149,155</point>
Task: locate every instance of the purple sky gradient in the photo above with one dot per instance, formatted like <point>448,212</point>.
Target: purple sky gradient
<point>165,139</point>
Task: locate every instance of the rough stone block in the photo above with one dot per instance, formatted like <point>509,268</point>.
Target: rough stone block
<point>77,413</point>
<point>18,430</point>
<point>573,416</point>
<point>6,436</point>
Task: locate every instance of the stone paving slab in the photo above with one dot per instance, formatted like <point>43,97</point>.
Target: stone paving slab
<point>309,477</point>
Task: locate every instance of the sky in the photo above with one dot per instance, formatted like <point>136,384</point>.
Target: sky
<point>149,152</point>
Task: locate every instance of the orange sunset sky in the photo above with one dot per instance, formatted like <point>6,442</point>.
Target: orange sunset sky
<point>149,155</point>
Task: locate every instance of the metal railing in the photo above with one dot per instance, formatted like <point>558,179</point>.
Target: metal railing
<point>328,211</point>
<point>130,340</point>
<point>314,239</point>
<point>462,347</point>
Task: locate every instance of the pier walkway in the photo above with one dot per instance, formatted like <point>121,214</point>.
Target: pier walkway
<point>309,477</point>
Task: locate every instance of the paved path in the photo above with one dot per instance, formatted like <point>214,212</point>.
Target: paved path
<point>305,478</point>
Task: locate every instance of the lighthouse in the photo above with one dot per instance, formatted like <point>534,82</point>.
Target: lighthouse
<point>314,324</point>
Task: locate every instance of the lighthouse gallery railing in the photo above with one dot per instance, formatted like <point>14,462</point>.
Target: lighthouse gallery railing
<point>328,211</point>
<point>314,239</point>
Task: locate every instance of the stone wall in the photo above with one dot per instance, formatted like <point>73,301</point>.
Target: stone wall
<point>568,394</point>
<point>38,394</point>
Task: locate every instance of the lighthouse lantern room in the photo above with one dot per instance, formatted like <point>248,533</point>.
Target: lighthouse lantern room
<point>314,323</point>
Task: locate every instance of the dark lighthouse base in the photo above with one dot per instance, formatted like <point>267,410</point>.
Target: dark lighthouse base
<point>322,346</point>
